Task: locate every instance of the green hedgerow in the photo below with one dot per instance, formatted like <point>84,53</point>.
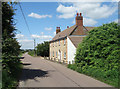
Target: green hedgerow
<point>98,54</point>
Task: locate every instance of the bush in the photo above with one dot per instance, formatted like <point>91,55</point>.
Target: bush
<point>98,54</point>
<point>72,66</point>
<point>32,53</point>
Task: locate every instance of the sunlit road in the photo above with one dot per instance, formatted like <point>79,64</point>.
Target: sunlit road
<point>39,72</point>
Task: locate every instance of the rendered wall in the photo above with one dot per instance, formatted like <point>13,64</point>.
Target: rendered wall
<point>71,50</point>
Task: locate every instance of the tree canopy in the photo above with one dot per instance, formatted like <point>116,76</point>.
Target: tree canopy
<point>10,47</point>
<point>43,49</point>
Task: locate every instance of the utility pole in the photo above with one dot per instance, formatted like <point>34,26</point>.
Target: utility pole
<point>34,48</point>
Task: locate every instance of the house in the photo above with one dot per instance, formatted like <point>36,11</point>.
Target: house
<point>63,45</point>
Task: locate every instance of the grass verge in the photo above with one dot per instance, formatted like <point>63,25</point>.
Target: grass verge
<point>96,73</point>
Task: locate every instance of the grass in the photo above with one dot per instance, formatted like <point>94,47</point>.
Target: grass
<point>97,74</point>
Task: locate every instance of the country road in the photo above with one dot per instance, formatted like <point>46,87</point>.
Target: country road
<point>38,72</point>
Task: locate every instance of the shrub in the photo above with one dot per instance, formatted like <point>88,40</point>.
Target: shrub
<point>98,54</point>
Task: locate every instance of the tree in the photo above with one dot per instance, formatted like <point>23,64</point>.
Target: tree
<point>43,49</point>
<point>10,47</point>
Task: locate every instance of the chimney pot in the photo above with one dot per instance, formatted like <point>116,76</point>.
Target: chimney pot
<point>80,14</point>
<point>79,20</point>
<point>58,30</point>
<point>79,23</point>
<point>77,14</point>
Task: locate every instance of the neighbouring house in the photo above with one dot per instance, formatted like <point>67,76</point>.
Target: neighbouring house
<point>63,45</point>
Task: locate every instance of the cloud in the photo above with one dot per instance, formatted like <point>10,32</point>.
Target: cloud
<point>35,36</point>
<point>29,43</point>
<point>42,33</point>
<point>67,12</point>
<point>89,22</point>
<point>34,15</point>
<point>63,9</point>
<point>96,10</point>
<point>44,37</point>
<point>93,10</point>
<point>48,29</point>
<point>117,20</point>
<point>65,1</point>
<point>26,44</point>
<point>19,36</point>
<point>54,33</point>
<point>25,40</point>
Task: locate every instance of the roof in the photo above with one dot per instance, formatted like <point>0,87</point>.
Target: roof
<point>76,40</point>
<point>69,30</point>
<point>89,28</point>
<point>64,33</point>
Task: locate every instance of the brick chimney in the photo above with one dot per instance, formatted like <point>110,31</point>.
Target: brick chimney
<point>79,19</point>
<point>79,23</point>
<point>58,30</point>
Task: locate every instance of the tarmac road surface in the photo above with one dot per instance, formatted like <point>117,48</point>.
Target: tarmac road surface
<point>38,72</point>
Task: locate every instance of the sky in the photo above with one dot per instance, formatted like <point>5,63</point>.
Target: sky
<point>44,17</point>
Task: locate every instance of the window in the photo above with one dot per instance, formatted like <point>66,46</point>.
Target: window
<point>56,54</point>
<point>59,42</point>
<point>53,53</point>
<point>53,44</point>
<point>64,41</point>
<point>64,54</point>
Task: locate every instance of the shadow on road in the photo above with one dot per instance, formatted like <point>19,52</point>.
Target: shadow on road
<point>32,74</point>
<point>26,64</point>
<point>22,57</point>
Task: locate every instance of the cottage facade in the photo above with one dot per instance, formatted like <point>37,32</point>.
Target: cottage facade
<point>63,45</point>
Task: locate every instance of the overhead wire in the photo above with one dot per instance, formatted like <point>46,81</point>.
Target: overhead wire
<point>24,18</point>
<point>26,22</point>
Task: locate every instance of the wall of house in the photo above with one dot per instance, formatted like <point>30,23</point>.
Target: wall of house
<point>71,50</point>
<point>55,47</point>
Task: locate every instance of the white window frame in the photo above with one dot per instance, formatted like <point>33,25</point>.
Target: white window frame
<point>65,55</point>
